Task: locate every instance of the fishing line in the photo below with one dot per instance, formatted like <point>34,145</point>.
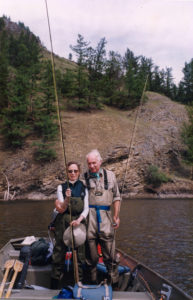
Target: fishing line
<point>62,139</point>
<point>133,135</point>
<point>130,154</point>
<point>56,93</point>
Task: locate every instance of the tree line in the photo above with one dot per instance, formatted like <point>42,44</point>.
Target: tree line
<point>118,80</point>
<point>26,92</point>
<point>27,99</point>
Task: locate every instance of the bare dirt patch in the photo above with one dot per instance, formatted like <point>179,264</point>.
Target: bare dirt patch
<point>157,141</point>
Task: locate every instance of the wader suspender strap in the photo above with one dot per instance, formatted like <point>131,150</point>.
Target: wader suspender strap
<point>105,180</point>
<point>88,182</point>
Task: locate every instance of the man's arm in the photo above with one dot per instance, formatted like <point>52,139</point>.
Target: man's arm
<point>116,207</point>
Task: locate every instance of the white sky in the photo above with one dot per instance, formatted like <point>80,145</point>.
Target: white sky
<point>158,29</point>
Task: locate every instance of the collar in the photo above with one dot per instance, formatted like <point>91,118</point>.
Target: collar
<point>72,182</point>
<point>96,174</point>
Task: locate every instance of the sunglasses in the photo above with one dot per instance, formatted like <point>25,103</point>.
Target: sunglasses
<point>73,171</point>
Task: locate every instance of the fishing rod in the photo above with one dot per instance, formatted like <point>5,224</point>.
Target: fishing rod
<point>133,134</point>
<point>56,93</point>
<point>130,153</point>
<point>75,262</point>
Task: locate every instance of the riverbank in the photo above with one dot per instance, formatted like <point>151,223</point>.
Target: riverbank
<point>127,196</point>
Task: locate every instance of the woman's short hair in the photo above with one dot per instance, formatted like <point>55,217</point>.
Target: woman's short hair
<point>73,163</point>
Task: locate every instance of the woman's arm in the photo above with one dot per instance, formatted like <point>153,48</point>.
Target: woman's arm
<point>61,204</point>
<point>84,214</point>
<point>60,194</point>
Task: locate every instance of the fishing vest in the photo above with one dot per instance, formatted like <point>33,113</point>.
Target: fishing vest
<point>77,197</point>
<point>105,185</point>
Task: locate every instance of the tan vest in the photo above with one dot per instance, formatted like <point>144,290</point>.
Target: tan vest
<point>97,193</point>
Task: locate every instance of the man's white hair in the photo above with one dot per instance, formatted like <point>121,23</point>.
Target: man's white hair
<point>96,153</point>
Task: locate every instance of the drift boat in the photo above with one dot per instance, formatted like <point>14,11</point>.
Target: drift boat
<point>136,281</point>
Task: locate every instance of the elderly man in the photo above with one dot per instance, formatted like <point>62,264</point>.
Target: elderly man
<point>103,192</point>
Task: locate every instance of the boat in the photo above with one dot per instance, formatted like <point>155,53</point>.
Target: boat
<point>136,282</point>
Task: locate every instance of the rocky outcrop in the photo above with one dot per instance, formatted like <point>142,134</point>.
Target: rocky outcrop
<point>157,141</point>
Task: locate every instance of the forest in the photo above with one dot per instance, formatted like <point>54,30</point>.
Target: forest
<point>27,99</point>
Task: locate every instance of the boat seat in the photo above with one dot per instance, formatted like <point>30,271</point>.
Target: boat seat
<point>14,254</point>
<point>29,294</point>
<point>39,275</point>
<point>131,296</point>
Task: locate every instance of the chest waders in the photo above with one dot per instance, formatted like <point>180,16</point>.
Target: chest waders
<point>98,207</point>
<point>76,206</point>
<point>100,228</point>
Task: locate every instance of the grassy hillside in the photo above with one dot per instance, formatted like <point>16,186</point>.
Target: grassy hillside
<point>61,63</point>
<point>157,142</point>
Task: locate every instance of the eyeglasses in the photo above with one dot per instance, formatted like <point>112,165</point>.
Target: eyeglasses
<point>73,171</point>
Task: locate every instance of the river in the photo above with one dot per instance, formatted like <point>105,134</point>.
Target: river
<point>158,233</point>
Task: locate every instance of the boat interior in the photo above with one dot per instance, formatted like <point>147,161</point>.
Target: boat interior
<point>37,284</point>
<point>136,281</point>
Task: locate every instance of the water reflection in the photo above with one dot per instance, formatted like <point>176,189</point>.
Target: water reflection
<point>159,233</point>
<point>156,232</point>
<point>24,218</point>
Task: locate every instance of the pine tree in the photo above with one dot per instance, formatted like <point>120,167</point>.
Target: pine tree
<point>169,83</point>
<point>180,93</point>
<point>188,82</point>
<point>45,124</point>
<point>44,105</point>
<point>96,60</point>
<point>143,72</point>
<point>81,95</point>
<point>4,73</point>
<point>81,50</point>
<point>98,65</point>
<point>130,63</point>
<point>113,79</point>
<point>15,116</point>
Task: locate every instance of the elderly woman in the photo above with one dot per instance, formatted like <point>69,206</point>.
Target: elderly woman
<point>74,192</point>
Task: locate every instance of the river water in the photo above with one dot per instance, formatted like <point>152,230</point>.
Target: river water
<point>159,233</point>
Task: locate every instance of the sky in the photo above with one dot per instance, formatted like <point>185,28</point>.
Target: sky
<point>158,29</point>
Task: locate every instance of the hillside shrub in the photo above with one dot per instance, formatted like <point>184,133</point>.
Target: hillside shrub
<point>44,153</point>
<point>187,135</point>
<point>155,177</point>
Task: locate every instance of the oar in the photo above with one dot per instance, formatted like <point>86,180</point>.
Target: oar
<point>8,265</point>
<point>17,268</point>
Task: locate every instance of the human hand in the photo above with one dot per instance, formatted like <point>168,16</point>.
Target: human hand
<point>68,193</point>
<point>116,222</point>
<point>75,222</point>
<point>59,207</point>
